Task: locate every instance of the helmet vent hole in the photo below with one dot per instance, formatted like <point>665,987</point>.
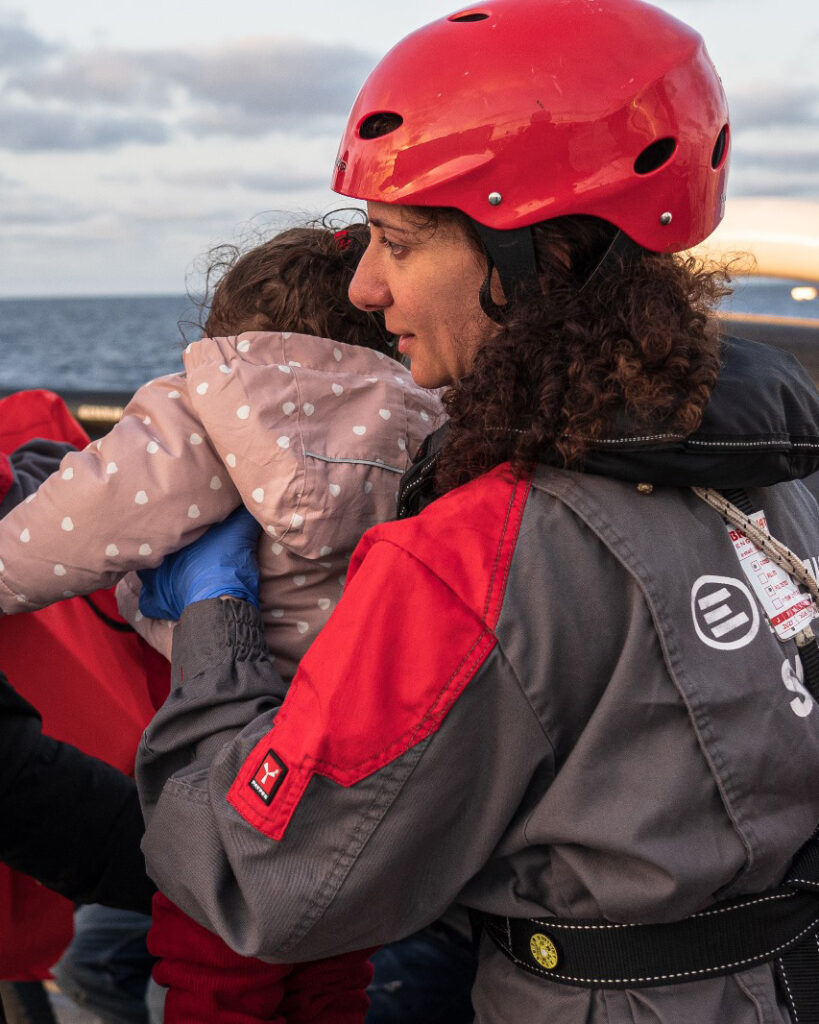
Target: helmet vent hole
<point>382,123</point>
<point>469,16</point>
<point>654,156</point>
<point>720,148</point>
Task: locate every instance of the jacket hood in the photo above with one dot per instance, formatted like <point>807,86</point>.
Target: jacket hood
<point>760,427</point>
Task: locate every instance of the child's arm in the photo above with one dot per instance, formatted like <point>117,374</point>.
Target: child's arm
<point>158,633</point>
<point>150,486</point>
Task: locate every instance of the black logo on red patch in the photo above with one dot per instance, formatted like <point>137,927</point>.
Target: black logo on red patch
<point>269,776</point>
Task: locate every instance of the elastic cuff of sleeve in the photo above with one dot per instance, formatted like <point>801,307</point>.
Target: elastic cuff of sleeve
<point>213,630</point>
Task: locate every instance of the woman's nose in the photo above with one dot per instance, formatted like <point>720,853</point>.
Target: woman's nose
<point>368,290</point>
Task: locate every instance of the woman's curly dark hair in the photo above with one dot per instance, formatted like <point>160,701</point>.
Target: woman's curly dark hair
<point>632,350</point>
<point>296,281</point>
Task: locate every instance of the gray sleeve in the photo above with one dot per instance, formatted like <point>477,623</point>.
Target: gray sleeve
<point>30,464</point>
<point>366,856</point>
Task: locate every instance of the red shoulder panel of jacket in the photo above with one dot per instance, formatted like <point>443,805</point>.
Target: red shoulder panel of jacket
<point>414,626</point>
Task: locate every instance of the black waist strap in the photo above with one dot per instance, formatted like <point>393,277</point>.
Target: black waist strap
<point>779,926</point>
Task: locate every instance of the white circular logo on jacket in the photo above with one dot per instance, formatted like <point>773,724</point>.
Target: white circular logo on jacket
<point>724,611</point>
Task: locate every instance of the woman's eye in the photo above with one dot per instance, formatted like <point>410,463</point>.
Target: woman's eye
<point>394,247</point>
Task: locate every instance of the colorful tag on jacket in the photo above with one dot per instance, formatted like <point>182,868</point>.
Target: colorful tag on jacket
<point>788,608</point>
<point>269,776</point>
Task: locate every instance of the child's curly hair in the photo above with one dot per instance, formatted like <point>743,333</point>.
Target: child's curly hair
<point>296,281</point>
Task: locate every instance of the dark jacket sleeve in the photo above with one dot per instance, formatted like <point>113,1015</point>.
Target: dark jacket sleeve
<point>68,819</point>
<point>30,464</point>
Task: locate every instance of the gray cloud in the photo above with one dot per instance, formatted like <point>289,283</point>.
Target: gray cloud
<point>27,130</point>
<point>804,161</point>
<point>273,78</point>
<point>773,186</point>
<point>18,45</point>
<point>774,108</point>
<point>111,77</point>
<point>268,182</point>
<point>109,97</point>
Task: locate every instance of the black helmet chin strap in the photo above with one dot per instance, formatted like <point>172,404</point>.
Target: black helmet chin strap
<point>512,253</point>
<point>621,246</point>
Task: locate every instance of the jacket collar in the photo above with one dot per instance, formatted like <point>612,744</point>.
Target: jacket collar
<point>760,427</point>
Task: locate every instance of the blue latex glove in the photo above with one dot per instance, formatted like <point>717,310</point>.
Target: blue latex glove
<point>222,562</point>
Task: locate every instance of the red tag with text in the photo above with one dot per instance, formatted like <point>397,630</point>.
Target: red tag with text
<point>269,776</point>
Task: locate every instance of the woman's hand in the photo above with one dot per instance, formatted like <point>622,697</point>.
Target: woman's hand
<point>221,563</point>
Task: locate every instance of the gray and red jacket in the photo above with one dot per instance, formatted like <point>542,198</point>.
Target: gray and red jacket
<point>519,704</point>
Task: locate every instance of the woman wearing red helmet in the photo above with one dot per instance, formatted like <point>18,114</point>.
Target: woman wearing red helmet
<point>576,693</point>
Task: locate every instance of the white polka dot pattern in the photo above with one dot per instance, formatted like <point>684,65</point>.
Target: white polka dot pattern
<point>25,536</point>
<point>112,551</point>
<point>193,512</point>
<point>243,412</point>
<point>60,569</point>
<point>67,524</point>
<point>141,498</point>
<point>145,549</point>
<point>68,474</point>
<point>258,495</point>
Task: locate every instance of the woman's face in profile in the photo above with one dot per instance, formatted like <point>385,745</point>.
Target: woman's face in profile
<point>426,280</point>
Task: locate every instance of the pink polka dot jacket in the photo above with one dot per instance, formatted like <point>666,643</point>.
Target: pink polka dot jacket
<point>310,434</point>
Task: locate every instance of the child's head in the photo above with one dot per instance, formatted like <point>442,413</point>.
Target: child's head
<point>296,281</point>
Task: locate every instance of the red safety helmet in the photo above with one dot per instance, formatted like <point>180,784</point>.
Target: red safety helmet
<point>518,111</point>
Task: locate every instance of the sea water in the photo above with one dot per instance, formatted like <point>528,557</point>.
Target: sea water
<point>98,344</point>
<point>118,343</point>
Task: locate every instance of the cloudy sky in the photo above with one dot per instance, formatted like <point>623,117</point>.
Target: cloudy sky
<point>134,136</point>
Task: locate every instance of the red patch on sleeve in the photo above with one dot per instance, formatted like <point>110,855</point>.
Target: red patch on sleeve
<point>397,652</point>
